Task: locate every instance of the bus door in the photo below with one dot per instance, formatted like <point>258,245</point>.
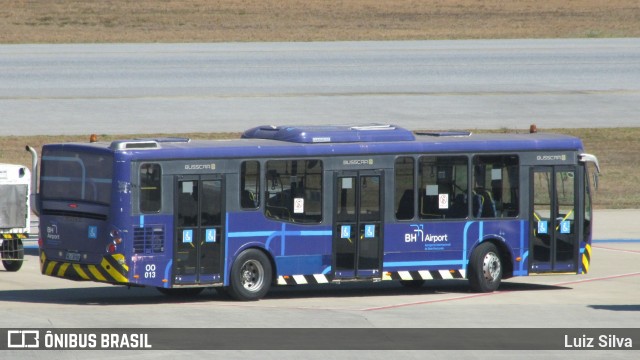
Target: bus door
<point>357,241</point>
<point>554,243</point>
<point>198,247</point>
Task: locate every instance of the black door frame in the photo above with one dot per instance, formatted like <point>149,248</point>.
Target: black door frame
<point>199,233</point>
<point>554,221</point>
<point>359,226</point>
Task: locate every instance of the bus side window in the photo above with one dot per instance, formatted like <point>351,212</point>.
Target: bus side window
<point>294,190</point>
<point>150,188</point>
<point>250,185</point>
<point>404,183</point>
<point>444,189</point>
<point>496,189</point>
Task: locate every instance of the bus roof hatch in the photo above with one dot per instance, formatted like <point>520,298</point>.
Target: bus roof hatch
<point>331,133</point>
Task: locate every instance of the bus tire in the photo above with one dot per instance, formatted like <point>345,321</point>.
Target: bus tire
<point>180,292</point>
<point>485,268</point>
<point>412,284</point>
<point>12,255</point>
<point>223,292</point>
<point>250,276</point>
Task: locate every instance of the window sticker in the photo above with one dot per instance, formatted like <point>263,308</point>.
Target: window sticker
<point>369,231</point>
<point>543,227</point>
<point>345,231</point>
<point>210,235</point>
<point>187,236</point>
<point>298,206</point>
<point>93,232</point>
<point>565,227</point>
<point>443,201</point>
<point>496,174</point>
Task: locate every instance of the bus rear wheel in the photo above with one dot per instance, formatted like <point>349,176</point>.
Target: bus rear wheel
<point>12,254</point>
<point>250,276</point>
<point>485,268</point>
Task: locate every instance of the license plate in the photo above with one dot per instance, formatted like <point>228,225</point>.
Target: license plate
<point>73,256</point>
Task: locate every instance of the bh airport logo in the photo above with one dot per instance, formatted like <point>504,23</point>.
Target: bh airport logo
<point>419,235</point>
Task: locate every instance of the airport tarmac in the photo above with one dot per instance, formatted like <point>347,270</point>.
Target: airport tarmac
<point>605,298</point>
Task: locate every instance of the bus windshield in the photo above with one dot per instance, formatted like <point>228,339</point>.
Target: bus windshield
<point>73,176</point>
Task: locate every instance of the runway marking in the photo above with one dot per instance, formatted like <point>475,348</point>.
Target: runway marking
<point>619,250</point>
<point>432,301</point>
<point>597,279</point>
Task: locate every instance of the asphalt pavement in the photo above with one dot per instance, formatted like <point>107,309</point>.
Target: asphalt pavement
<point>178,88</point>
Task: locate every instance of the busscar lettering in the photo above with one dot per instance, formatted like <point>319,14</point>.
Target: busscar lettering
<point>200,167</point>
<point>358,162</point>
<point>551,157</point>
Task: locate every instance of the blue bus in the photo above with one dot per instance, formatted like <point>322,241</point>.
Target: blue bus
<point>294,205</point>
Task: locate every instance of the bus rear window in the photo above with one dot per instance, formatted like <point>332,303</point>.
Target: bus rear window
<point>74,176</point>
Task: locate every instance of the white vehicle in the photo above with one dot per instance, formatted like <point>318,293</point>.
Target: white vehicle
<point>15,215</point>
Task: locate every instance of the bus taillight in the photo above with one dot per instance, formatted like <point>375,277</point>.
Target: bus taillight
<point>115,235</point>
<point>111,248</point>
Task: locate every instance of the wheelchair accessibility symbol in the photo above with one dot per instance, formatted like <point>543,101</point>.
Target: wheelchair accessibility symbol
<point>369,231</point>
<point>565,227</point>
<point>210,235</point>
<point>187,236</point>
<point>543,227</point>
<point>345,231</point>
<point>93,232</point>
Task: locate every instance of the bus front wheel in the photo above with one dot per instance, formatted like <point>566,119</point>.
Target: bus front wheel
<point>485,268</point>
<point>250,276</point>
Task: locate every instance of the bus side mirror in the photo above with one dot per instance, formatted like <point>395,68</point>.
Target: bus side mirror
<point>588,158</point>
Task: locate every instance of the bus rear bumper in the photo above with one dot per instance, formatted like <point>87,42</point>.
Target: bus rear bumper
<point>111,269</point>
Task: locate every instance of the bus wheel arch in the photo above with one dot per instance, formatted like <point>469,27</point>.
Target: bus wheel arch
<point>505,257</point>
<point>251,275</point>
<point>488,266</point>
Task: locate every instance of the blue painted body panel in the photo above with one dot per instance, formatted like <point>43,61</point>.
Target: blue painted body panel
<point>307,249</point>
